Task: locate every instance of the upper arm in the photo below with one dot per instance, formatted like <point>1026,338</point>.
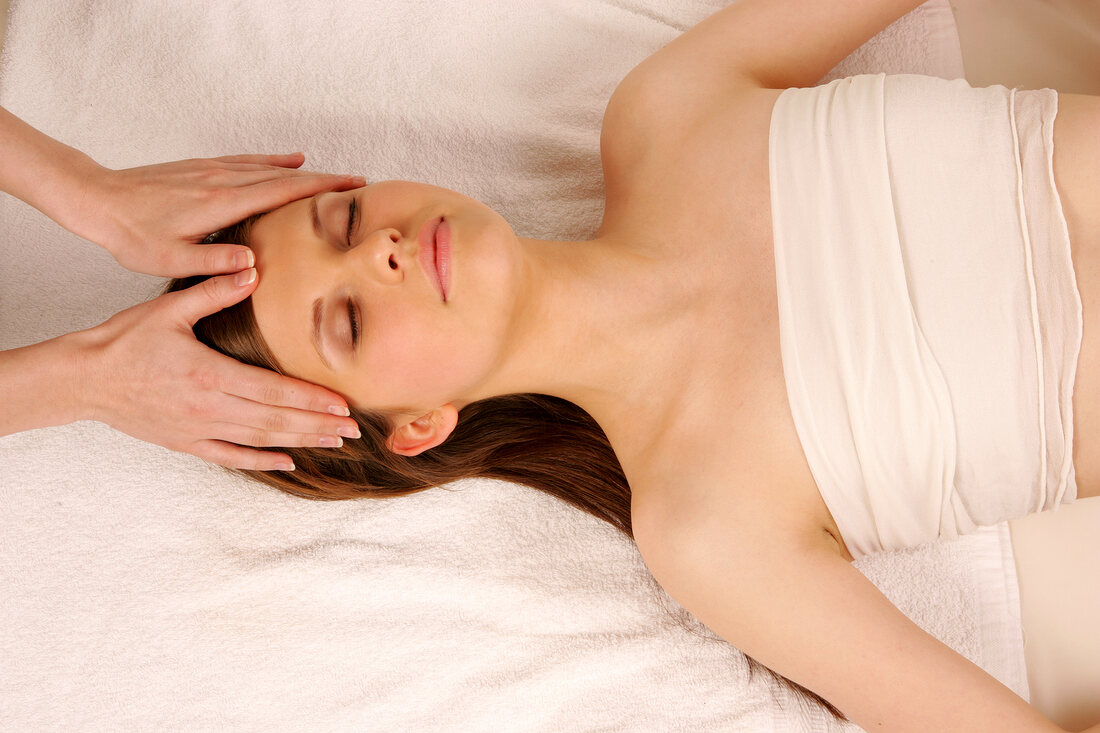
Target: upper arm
<point>773,43</point>
<point>810,616</point>
<point>751,44</point>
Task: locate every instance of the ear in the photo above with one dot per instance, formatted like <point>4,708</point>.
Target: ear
<point>425,432</point>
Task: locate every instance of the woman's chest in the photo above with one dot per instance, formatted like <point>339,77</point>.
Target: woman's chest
<point>701,203</point>
<point>732,450</point>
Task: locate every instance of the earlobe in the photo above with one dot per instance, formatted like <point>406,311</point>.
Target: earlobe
<point>425,432</point>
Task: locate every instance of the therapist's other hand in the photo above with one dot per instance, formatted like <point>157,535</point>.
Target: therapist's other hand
<point>147,375</point>
<point>153,218</point>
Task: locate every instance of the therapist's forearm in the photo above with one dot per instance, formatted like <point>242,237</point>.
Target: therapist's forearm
<point>40,385</point>
<point>48,175</point>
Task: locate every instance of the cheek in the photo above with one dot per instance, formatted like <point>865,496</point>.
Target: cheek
<point>410,358</point>
<point>414,360</point>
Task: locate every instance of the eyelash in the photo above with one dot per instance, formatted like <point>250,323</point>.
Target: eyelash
<point>353,317</point>
<point>353,212</point>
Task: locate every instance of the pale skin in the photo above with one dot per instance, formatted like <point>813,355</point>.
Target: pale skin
<point>664,327</point>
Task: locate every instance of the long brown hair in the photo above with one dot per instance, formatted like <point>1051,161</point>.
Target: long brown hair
<point>537,440</point>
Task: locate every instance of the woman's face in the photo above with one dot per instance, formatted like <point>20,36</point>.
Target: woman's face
<point>432,314</point>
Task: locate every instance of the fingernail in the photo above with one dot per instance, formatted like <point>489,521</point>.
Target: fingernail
<point>244,277</point>
<point>359,180</point>
<point>339,410</point>
<point>243,259</point>
<point>329,441</point>
<point>349,432</point>
<point>285,466</point>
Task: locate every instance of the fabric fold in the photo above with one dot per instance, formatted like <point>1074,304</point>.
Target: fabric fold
<point>929,315</point>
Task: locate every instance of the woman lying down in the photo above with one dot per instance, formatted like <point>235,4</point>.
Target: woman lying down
<point>816,323</point>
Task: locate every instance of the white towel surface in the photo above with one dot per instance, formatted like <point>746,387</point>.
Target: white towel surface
<point>147,590</point>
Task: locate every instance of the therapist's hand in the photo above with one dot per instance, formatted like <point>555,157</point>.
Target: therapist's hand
<point>152,219</point>
<point>145,374</point>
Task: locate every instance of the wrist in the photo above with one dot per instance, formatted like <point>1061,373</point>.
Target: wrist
<point>76,374</point>
<point>45,173</point>
<point>78,194</point>
<point>66,190</point>
<point>41,385</point>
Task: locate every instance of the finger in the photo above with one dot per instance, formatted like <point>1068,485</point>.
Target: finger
<point>250,175</point>
<point>311,407</point>
<point>210,296</point>
<point>226,166</point>
<point>236,456</point>
<point>289,160</point>
<point>262,438</point>
<point>272,194</point>
<point>262,424</point>
<point>208,259</point>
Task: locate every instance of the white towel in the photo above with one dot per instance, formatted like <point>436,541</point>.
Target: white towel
<point>146,590</point>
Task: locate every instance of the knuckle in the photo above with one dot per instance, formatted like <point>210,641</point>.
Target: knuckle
<point>209,260</point>
<point>195,410</point>
<point>257,436</point>
<point>211,194</point>
<point>203,379</point>
<point>222,454</point>
<point>272,395</point>
<point>210,450</point>
<point>288,185</point>
<point>210,288</point>
<point>276,423</point>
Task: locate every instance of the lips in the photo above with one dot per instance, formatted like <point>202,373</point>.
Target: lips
<point>443,257</point>
<point>434,255</point>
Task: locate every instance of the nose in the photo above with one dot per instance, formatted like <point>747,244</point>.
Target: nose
<point>382,255</point>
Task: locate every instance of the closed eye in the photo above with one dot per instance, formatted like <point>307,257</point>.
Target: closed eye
<point>353,318</point>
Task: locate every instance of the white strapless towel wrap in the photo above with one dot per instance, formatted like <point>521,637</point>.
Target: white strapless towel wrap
<point>930,321</point>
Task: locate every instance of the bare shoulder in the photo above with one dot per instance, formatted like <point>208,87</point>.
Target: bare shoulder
<point>801,610</point>
<point>760,492</point>
<point>651,109</point>
<point>748,45</point>
<point>696,519</point>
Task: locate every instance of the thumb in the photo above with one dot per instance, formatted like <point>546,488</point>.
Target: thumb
<point>211,259</point>
<point>213,294</point>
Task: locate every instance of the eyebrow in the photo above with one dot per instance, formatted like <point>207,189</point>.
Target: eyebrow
<point>315,336</point>
<point>316,220</point>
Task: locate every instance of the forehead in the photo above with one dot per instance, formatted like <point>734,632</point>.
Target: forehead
<point>290,280</point>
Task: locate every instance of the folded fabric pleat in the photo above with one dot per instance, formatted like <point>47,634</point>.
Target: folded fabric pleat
<point>930,321</point>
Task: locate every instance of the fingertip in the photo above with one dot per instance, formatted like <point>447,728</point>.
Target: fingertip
<point>283,160</point>
<point>245,278</point>
<point>242,258</point>
<point>237,286</point>
<point>274,462</point>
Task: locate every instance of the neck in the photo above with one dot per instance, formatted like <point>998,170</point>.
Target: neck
<point>598,325</point>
